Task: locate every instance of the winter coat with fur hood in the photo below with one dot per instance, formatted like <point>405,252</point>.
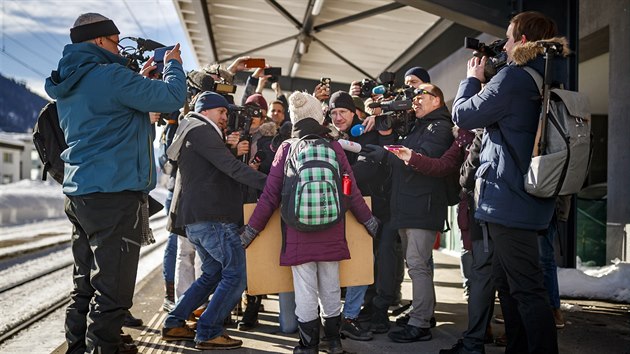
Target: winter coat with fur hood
<point>508,107</point>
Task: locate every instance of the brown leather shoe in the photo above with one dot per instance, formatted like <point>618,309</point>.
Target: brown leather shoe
<point>178,333</point>
<point>221,342</point>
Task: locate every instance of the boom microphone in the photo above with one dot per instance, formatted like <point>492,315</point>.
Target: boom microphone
<point>147,44</point>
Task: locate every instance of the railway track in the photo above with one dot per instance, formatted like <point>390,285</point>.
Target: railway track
<point>48,279</point>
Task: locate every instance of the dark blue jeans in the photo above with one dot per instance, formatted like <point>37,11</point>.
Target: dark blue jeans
<point>170,252</point>
<point>548,263</point>
<point>223,269</point>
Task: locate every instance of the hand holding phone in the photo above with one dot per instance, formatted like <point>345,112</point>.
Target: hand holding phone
<point>254,63</point>
<point>393,148</point>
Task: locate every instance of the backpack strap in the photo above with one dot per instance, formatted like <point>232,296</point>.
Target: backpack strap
<point>536,76</point>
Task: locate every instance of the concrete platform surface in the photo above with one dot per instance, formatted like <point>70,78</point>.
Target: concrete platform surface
<point>597,328</point>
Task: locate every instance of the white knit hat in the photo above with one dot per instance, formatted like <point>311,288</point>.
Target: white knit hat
<point>303,105</point>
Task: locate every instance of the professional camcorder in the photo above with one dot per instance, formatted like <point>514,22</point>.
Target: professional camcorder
<point>395,112</point>
<point>240,119</point>
<point>497,58</point>
<point>135,55</point>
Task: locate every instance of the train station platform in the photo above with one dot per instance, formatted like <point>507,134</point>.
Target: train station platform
<point>593,327</point>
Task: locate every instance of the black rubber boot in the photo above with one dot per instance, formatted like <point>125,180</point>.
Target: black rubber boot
<point>309,337</point>
<point>250,316</point>
<point>331,342</point>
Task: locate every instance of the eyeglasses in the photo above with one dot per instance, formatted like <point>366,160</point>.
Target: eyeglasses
<point>424,92</point>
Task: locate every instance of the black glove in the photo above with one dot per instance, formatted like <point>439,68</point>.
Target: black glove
<point>372,225</point>
<point>247,235</point>
<point>374,152</point>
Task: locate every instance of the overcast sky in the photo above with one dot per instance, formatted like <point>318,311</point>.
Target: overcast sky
<point>33,32</point>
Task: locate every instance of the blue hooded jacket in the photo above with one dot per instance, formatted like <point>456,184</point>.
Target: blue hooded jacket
<point>508,107</point>
<point>102,108</point>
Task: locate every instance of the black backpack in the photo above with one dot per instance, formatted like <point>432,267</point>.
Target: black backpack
<point>453,188</point>
<point>50,142</point>
<point>312,188</point>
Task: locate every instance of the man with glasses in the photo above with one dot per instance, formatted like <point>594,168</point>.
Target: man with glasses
<point>419,205</point>
<point>109,170</point>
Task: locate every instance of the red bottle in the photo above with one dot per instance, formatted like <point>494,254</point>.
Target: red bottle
<point>346,183</point>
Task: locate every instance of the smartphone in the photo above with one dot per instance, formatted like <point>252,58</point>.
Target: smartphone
<point>254,63</point>
<point>393,147</point>
<point>325,81</point>
<point>273,71</point>
<point>158,57</point>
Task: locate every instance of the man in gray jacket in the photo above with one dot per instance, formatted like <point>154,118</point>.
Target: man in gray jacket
<point>209,206</point>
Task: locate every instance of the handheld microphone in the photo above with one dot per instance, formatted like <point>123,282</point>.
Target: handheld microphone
<point>357,130</point>
<point>350,145</point>
<point>379,90</point>
<point>259,157</point>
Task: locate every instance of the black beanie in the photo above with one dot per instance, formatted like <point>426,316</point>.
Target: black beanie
<point>341,99</point>
<point>420,73</point>
<point>89,31</point>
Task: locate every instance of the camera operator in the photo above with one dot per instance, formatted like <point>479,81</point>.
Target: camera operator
<point>419,205</point>
<point>509,215</point>
<point>103,110</point>
<point>371,181</point>
<point>210,208</point>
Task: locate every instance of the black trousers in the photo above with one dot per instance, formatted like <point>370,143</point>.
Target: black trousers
<point>529,323</point>
<point>389,259</point>
<point>106,248</point>
<point>481,296</point>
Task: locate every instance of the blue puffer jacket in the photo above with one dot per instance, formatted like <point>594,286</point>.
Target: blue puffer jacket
<point>508,108</point>
<point>102,108</point>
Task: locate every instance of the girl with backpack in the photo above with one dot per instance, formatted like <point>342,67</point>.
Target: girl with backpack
<point>313,255</point>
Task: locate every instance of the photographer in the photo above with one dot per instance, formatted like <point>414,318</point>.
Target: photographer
<point>419,205</point>
<point>508,108</point>
<point>109,170</point>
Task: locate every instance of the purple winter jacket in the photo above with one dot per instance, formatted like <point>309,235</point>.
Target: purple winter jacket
<point>303,247</point>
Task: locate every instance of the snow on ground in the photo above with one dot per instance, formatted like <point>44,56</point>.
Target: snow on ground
<point>611,282</point>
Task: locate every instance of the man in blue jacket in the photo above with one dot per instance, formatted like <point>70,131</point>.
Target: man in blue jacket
<point>508,108</point>
<point>109,170</point>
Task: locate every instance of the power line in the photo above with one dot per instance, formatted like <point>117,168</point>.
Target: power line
<point>36,54</point>
<point>56,50</point>
<point>44,30</point>
<point>23,64</point>
<point>135,19</point>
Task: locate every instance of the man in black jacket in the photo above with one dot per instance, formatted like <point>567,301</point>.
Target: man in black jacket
<point>209,206</point>
<point>371,180</point>
<point>419,205</point>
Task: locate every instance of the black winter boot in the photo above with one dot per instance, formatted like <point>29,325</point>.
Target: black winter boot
<point>250,316</point>
<point>331,342</point>
<point>309,337</point>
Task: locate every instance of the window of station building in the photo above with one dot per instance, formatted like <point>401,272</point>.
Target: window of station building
<point>7,157</point>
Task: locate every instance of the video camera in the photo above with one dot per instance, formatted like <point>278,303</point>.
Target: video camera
<point>135,55</point>
<point>240,119</point>
<point>395,112</point>
<point>497,58</point>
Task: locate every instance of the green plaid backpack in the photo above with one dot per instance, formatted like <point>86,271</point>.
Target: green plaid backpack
<point>312,189</point>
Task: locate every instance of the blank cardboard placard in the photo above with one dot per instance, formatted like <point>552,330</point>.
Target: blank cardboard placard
<point>266,276</point>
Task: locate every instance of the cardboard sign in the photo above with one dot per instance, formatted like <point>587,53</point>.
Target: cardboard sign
<point>266,276</point>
